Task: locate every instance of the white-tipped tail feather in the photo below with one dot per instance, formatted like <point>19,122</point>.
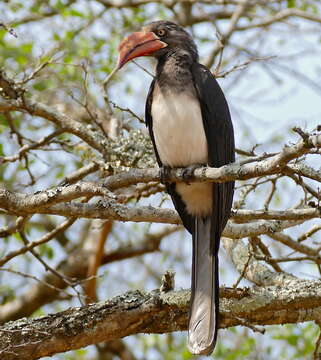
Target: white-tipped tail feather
<point>202,331</point>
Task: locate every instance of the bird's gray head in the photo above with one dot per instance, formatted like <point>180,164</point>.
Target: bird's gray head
<point>158,39</point>
<point>174,36</point>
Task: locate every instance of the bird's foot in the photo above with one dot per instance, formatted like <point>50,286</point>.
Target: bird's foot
<point>164,173</point>
<point>188,173</point>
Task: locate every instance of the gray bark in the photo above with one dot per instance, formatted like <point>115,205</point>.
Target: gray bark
<point>155,312</point>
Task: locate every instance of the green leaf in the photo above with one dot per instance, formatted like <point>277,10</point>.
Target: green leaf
<point>40,86</point>
<point>291,3</point>
<point>76,13</point>
<point>46,250</point>
<point>27,47</point>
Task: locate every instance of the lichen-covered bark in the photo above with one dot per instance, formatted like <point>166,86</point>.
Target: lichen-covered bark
<point>155,312</point>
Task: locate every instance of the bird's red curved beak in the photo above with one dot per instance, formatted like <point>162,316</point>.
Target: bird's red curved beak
<point>138,44</point>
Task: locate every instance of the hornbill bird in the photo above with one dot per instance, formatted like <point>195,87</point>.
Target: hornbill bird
<point>190,125</point>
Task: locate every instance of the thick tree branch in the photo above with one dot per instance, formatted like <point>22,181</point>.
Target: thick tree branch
<point>21,204</point>
<point>268,165</point>
<point>155,312</point>
<point>111,210</point>
<point>16,202</point>
<point>56,201</point>
<point>289,214</point>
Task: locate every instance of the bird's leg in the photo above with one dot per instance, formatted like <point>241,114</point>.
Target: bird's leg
<point>164,173</point>
<point>188,172</point>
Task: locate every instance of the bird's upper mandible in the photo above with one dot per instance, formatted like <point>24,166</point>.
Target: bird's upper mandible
<point>157,39</point>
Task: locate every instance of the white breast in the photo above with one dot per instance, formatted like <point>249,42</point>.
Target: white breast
<point>180,140</point>
<point>178,129</point>
<point>198,197</point>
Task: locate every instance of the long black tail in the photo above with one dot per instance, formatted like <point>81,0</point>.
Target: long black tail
<point>203,322</point>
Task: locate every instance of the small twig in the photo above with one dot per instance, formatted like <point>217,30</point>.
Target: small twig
<point>27,147</point>
<point>292,244</point>
<point>240,203</point>
<point>224,38</point>
<point>80,174</point>
<point>46,266</point>
<point>304,135</point>
<point>305,187</point>
<point>41,65</point>
<point>242,66</point>
<point>219,63</point>
<point>20,139</point>
<point>72,282</point>
<point>142,68</point>
<point>127,110</point>
<point>270,196</point>
<point>19,224</point>
<point>36,279</point>
<point>244,270</point>
<point>309,233</point>
<point>274,261</point>
<point>255,240</point>
<point>250,326</point>
<point>317,353</point>
<point>9,30</point>
<point>42,240</point>
<point>109,77</point>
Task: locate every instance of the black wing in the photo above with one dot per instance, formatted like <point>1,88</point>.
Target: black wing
<point>187,219</point>
<point>220,138</point>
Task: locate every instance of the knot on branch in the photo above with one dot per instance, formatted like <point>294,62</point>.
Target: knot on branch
<point>9,29</point>
<point>8,88</point>
<point>310,140</point>
<point>168,281</point>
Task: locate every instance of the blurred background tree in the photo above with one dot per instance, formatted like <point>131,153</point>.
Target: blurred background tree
<point>58,127</point>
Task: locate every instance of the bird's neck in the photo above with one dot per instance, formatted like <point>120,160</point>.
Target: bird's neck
<point>174,70</point>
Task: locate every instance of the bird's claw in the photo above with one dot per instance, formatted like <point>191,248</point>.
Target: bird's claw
<point>164,173</point>
<point>188,173</point>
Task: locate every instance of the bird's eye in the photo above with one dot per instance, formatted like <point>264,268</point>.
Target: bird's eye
<point>161,32</point>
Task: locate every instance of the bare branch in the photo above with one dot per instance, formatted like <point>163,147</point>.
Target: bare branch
<point>282,15</point>
<point>25,148</point>
<point>94,138</point>
<point>62,227</point>
<point>253,270</point>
